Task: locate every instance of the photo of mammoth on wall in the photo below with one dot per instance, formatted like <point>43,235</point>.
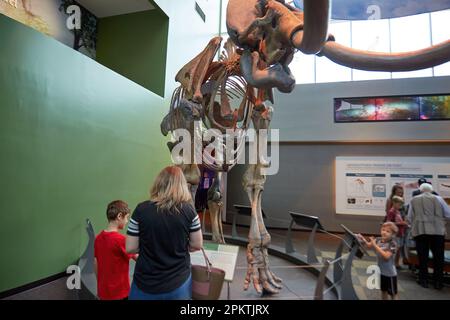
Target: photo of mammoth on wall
<point>50,18</point>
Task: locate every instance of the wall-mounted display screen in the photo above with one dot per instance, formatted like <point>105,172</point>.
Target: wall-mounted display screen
<point>397,108</point>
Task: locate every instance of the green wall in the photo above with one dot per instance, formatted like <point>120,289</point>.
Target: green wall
<point>135,45</point>
<point>74,135</point>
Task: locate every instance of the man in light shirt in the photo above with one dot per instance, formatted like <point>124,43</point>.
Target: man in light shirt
<point>427,213</point>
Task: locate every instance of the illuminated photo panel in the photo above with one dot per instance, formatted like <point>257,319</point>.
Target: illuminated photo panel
<point>398,108</point>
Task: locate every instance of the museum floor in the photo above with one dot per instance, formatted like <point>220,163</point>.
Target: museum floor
<point>298,283</point>
<point>304,283</point>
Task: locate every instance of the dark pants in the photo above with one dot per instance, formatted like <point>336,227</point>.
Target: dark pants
<point>201,199</point>
<point>425,243</point>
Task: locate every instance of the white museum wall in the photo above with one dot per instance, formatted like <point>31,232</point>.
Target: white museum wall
<point>307,113</point>
<point>310,142</point>
<point>188,33</point>
<point>305,118</point>
<point>188,36</point>
<point>305,183</point>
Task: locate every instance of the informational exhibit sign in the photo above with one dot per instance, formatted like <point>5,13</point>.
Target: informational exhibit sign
<point>363,184</point>
<point>221,256</point>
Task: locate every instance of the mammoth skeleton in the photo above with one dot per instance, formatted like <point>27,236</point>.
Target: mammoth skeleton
<point>230,94</point>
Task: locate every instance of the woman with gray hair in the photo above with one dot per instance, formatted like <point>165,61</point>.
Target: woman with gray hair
<point>427,213</point>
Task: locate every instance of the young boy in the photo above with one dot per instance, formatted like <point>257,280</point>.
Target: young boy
<point>385,247</point>
<point>111,258</point>
<point>395,216</point>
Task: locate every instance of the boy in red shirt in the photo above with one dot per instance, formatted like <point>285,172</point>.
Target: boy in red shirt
<point>395,216</point>
<point>111,258</point>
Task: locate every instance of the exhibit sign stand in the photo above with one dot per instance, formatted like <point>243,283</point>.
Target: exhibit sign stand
<point>342,271</point>
<point>86,267</point>
<point>307,221</point>
<point>222,256</point>
<point>342,268</point>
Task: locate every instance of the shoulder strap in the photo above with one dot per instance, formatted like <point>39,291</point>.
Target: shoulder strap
<point>207,262</point>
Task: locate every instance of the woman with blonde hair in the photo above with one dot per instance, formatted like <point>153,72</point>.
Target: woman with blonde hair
<point>163,230</point>
<point>397,190</point>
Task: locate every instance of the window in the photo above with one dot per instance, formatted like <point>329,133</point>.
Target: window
<point>223,22</point>
<point>328,71</point>
<point>303,68</point>
<point>386,35</point>
<point>372,35</point>
<point>411,33</point>
<point>440,28</point>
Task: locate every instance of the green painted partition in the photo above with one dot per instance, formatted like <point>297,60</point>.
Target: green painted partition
<point>135,45</point>
<point>74,135</point>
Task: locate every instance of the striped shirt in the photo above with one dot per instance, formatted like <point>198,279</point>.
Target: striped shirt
<point>164,261</point>
<point>133,226</point>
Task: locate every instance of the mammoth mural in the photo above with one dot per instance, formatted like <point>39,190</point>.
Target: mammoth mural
<point>230,94</point>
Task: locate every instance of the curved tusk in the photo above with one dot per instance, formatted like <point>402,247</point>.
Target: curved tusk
<point>314,35</point>
<point>391,62</point>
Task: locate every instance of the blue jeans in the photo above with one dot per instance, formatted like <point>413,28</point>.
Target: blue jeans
<point>184,292</point>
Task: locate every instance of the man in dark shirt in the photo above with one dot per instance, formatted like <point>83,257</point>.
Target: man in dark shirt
<point>420,182</point>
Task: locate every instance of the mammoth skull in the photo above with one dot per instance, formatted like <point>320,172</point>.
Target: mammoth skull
<point>269,32</point>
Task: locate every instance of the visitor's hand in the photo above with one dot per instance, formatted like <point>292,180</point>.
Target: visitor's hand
<point>372,240</point>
